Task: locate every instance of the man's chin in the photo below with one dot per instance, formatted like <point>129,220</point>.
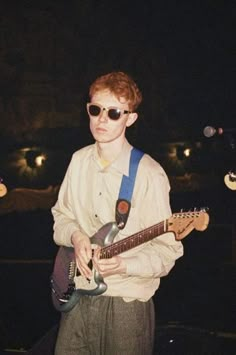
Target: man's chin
<point>101,138</point>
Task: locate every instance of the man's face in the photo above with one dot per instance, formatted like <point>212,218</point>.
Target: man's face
<point>104,129</point>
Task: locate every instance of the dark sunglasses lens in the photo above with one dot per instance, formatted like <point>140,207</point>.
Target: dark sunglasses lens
<point>94,110</point>
<point>114,113</point>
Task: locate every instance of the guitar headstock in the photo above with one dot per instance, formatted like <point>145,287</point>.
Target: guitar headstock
<point>182,223</point>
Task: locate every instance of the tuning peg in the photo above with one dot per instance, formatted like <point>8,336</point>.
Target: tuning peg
<point>204,209</point>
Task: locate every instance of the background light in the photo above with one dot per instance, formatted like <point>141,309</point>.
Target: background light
<point>39,160</point>
<point>34,158</point>
<point>187,152</point>
<point>182,152</point>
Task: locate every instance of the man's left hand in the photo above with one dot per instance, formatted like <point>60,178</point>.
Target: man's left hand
<point>108,267</point>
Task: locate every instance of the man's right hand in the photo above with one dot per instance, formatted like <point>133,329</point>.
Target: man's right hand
<point>83,253</point>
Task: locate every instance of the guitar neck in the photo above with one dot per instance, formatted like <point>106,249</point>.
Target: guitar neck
<point>133,241</point>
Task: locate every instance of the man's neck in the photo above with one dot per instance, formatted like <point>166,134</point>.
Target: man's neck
<point>109,151</point>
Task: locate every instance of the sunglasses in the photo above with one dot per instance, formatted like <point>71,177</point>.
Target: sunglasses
<point>114,113</point>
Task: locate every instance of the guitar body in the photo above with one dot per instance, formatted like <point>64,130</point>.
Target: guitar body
<point>64,292</point>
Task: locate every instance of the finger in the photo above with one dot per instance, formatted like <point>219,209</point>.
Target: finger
<point>84,270</point>
<point>82,262</point>
<point>84,253</point>
<point>96,253</point>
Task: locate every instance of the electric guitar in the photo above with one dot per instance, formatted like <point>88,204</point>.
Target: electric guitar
<point>63,289</point>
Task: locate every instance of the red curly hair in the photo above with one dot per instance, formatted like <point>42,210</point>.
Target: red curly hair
<point>119,84</point>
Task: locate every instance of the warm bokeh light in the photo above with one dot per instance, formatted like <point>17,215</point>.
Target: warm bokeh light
<point>187,152</point>
<point>34,158</point>
<point>28,161</point>
<point>39,160</point>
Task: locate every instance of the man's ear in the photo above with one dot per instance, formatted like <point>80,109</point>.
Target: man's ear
<point>132,118</point>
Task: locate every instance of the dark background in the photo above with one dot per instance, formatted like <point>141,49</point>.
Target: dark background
<point>182,55</point>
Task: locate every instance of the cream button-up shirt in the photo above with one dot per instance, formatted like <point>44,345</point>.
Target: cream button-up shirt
<point>87,201</point>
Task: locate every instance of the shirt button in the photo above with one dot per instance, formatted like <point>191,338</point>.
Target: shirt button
<point>96,215</point>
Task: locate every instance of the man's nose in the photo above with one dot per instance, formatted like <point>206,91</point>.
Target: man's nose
<point>103,115</point>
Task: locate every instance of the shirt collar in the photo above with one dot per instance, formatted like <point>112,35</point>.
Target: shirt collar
<point>121,163</point>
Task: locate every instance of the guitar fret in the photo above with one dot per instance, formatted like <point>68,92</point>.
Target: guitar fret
<point>135,240</point>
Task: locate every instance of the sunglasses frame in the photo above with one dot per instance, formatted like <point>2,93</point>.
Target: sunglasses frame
<point>107,109</point>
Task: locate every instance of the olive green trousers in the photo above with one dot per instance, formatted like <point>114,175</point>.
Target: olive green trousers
<point>101,325</point>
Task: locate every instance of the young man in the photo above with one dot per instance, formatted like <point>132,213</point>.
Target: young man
<point>121,320</point>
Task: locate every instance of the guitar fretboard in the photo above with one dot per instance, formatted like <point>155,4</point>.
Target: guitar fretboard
<point>132,241</point>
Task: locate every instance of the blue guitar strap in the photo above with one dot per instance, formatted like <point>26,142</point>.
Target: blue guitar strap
<point>123,203</point>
